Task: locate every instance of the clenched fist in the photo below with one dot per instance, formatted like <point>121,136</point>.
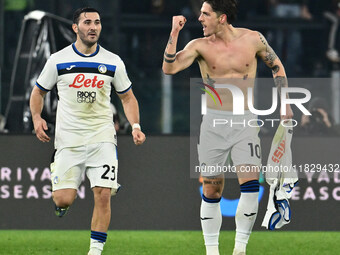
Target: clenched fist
<point>178,23</point>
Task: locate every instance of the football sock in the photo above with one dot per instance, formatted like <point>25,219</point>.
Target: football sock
<point>211,220</point>
<point>246,213</point>
<point>212,250</point>
<point>98,240</point>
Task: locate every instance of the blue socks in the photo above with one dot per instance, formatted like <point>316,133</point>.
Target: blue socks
<point>99,236</point>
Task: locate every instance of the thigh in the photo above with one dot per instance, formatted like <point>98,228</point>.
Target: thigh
<point>68,168</point>
<point>65,195</point>
<point>213,148</point>
<point>102,165</point>
<point>247,147</point>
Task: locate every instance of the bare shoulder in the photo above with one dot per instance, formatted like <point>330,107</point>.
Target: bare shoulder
<point>197,46</point>
<point>196,43</point>
<point>259,39</point>
<point>251,35</point>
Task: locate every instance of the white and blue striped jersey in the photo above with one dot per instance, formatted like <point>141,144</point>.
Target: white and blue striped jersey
<point>84,86</point>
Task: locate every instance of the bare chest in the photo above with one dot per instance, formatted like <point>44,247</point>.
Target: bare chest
<point>234,60</point>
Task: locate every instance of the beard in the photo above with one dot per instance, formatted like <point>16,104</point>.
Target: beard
<point>88,42</point>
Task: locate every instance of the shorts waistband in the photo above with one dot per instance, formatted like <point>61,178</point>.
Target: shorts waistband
<point>228,113</point>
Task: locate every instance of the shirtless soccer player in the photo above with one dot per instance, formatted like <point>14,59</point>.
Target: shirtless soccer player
<point>226,52</point>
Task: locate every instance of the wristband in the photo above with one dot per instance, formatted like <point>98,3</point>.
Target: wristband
<point>136,125</point>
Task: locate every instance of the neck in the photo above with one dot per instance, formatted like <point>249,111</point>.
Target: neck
<point>84,49</point>
<point>226,34</point>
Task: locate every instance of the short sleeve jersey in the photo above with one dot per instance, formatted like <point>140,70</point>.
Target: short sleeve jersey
<point>84,86</point>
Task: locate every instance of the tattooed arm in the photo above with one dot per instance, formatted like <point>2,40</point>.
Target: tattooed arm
<point>174,62</point>
<point>269,57</point>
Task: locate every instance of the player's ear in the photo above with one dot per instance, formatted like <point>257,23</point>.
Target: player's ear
<point>223,18</point>
<point>75,28</point>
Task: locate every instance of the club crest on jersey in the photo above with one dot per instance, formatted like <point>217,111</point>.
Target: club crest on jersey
<point>102,68</point>
<point>56,180</point>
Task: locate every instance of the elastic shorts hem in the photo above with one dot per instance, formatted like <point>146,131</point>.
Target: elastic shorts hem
<point>227,113</point>
<point>102,186</point>
<point>248,163</point>
<point>65,187</point>
<point>208,175</point>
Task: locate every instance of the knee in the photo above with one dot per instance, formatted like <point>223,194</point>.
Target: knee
<point>212,188</point>
<point>62,199</point>
<point>214,194</point>
<point>102,196</point>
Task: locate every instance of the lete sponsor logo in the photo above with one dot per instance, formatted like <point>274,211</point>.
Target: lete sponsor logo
<point>81,81</point>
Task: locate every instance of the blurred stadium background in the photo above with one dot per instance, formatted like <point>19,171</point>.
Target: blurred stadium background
<point>158,193</point>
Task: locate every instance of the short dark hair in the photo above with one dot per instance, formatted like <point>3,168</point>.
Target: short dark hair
<point>79,11</point>
<point>228,7</point>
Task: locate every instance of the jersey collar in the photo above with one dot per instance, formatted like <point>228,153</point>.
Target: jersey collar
<point>81,54</point>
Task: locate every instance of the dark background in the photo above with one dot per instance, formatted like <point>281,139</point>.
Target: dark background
<point>138,30</point>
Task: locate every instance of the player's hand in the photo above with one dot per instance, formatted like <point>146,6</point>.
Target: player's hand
<point>178,23</point>
<point>138,136</point>
<point>40,126</point>
<point>325,118</point>
<point>289,113</point>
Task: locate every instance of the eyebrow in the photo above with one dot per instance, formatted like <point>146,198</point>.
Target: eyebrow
<point>91,20</point>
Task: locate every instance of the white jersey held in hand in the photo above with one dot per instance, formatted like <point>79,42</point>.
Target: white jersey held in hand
<point>282,178</point>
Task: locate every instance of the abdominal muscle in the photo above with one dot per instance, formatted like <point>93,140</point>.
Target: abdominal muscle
<point>226,95</point>
<point>236,76</point>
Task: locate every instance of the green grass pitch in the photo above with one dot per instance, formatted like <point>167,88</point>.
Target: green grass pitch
<point>165,242</point>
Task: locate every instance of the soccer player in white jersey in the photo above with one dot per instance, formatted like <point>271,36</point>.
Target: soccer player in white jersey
<point>228,53</point>
<point>85,137</point>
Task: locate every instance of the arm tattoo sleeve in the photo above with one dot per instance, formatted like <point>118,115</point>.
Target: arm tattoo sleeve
<point>269,59</point>
<point>169,60</point>
<point>263,40</point>
<point>170,40</point>
<point>169,55</point>
<point>280,82</point>
<point>275,69</point>
<point>270,56</point>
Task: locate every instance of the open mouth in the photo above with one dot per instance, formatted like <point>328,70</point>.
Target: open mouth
<point>92,34</point>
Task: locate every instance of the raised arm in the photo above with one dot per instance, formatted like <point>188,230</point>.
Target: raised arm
<point>174,62</point>
<point>131,111</point>
<point>267,54</point>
